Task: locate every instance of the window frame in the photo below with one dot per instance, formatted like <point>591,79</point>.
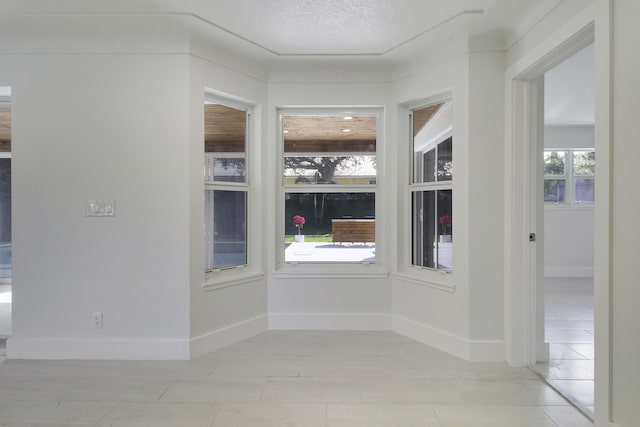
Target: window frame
<point>315,268</point>
<point>416,185</point>
<point>213,276</point>
<point>570,179</point>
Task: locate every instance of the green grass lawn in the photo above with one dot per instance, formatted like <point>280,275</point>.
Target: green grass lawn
<point>322,238</point>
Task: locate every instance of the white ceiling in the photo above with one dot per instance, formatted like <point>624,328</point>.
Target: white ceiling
<point>381,29</point>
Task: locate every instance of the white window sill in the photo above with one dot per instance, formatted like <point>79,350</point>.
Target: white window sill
<point>330,271</point>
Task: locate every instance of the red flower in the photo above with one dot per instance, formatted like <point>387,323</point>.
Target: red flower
<point>298,221</point>
<point>445,220</point>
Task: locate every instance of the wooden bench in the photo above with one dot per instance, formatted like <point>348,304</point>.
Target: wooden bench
<point>353,230</point>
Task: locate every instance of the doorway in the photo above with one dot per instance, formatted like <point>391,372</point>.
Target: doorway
<point>6,248</point>
<point>568,199</point>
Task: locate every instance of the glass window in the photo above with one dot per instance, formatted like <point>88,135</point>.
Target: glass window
<point>226,186</point>
<point>321,153</point>
<point>432,187</point>
<point>226,228</point>
<point>6,249</point>
<point>432,227</point>
<point>329,149</point>
<point>225,143</point>
<point>576,167</point>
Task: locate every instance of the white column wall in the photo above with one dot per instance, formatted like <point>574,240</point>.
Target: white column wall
<point>235,307</point>
<point>485,200</point>
<point>99,127</point>
<point>459,312</point>
<point>626,205</point>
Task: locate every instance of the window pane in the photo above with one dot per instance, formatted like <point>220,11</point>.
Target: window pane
<point>432,229</point>
<point>345,170</point>
<point>225,228</point>
<point>429,166</point>
<point>554,190</point>
<point>225,143</point>
<point>337,227</point>
<point>423,228</point>
<point>445,160</point>
<point>5,219</point>
<point>584,162</point>
<point>554,162</point>
<point>432,143</point>
<point>329,149</point>
<point>584,190</point>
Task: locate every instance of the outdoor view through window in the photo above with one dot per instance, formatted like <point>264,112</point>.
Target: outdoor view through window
<point>329,187</point>
<point>5,190</point>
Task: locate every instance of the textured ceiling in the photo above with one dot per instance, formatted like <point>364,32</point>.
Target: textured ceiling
<point>284,28</point>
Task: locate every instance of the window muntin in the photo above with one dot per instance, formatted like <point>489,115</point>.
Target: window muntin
<point>329,178</point>
<point>569,176</point>
<point>226,187</point>
<point>431,187</point>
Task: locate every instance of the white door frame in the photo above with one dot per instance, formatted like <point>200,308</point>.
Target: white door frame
<point>522,99</point>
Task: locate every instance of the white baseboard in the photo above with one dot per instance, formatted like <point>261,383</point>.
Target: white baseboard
<point>97,349</point>
<point>568,272</point>
<point>476,351</point>
<point>226,336</point>
<point>330,321</point>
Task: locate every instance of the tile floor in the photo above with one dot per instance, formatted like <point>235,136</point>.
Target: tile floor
<point>569,329</point>
<point>284,378</point>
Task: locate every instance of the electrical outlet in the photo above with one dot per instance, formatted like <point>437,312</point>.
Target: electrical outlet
<point>97,320</point>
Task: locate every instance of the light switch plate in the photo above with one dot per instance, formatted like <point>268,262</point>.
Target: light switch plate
<point>101,208</point>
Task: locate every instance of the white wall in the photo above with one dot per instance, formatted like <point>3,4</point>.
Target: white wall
<point>99,127</point>
<point>459,312</point>
<point>568,230</point>
<point>226,307</point>
<point>626,205</point>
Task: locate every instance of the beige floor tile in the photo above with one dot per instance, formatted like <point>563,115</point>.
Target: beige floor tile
<point>492,416</point>
<point>71,413</point>
<point>216,390</point>
<point>271,415</point>
<point>279,378</point>
<point>410,390</point>
<point>381,415</point>
<point>567,416</point>
<point>508,392</point>
<point>312,390</point>
<point>165,414</point>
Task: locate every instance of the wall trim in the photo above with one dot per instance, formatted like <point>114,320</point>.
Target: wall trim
<point>61,348</point>
<point>227,336</point>
<point>476,351</point>
<point>330,321</point>
<point>568,271</point>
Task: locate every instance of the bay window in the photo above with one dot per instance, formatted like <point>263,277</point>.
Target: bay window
<point>431,187</point>
<point>329,186</point>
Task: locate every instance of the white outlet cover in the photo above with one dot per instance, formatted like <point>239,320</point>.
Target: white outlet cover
<point>101,208</point>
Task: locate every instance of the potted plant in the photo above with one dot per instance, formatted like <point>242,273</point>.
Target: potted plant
<point>298,222</point>
<point>445,223</point>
